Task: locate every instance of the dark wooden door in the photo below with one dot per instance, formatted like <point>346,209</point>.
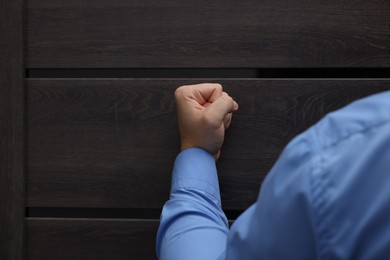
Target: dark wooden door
<point>88,129</point>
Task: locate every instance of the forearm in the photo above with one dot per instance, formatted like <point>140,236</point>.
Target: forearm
<point>193,225</point>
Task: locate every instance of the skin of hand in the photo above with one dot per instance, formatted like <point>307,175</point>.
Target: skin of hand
<point>204,112</point>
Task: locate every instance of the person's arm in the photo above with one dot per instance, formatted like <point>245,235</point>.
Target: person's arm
<point>193,225</point>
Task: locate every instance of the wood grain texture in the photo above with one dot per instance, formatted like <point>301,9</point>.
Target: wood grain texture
<point>90,239</point>
<point>207,34</point>
<point>112,143</point>
<point>12,152</point>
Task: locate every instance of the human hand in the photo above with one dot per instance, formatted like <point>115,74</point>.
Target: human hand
<point>204,112</point>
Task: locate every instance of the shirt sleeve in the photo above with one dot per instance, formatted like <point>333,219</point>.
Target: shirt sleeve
<point>192,223</point>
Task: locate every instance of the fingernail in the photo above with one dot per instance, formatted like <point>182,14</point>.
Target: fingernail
<point>235,105</point>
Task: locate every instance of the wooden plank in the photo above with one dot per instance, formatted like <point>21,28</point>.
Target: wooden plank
<point>11,130</point>
<point>112,143</point>
<point>216,34</point>
<point>57,238</point>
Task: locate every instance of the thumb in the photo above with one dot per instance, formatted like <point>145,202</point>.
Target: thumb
<point>221,107</point>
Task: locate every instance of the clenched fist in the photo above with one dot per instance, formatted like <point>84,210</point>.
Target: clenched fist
<point>204,112</point>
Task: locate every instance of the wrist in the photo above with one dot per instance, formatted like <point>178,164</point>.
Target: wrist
<point>188,145</point>
<point>195,149</point>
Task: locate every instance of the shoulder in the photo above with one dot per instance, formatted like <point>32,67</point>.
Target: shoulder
<point>358,117</point>
<point>349,180</point>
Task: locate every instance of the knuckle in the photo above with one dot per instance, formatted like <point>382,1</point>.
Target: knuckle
<point>227,98</point>
<point>218,86</point>
<point>179,91</point>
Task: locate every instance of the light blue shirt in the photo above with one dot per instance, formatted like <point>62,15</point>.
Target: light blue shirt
<point>327,197</point>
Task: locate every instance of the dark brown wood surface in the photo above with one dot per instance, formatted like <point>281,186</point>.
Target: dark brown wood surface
<point>111,143</point>
<point>98,153</point>
<point>211,34</point>
<point>90,239</point>
<point>11,131</point>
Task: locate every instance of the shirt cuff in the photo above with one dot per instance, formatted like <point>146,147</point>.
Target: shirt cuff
<point>195,169</point>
